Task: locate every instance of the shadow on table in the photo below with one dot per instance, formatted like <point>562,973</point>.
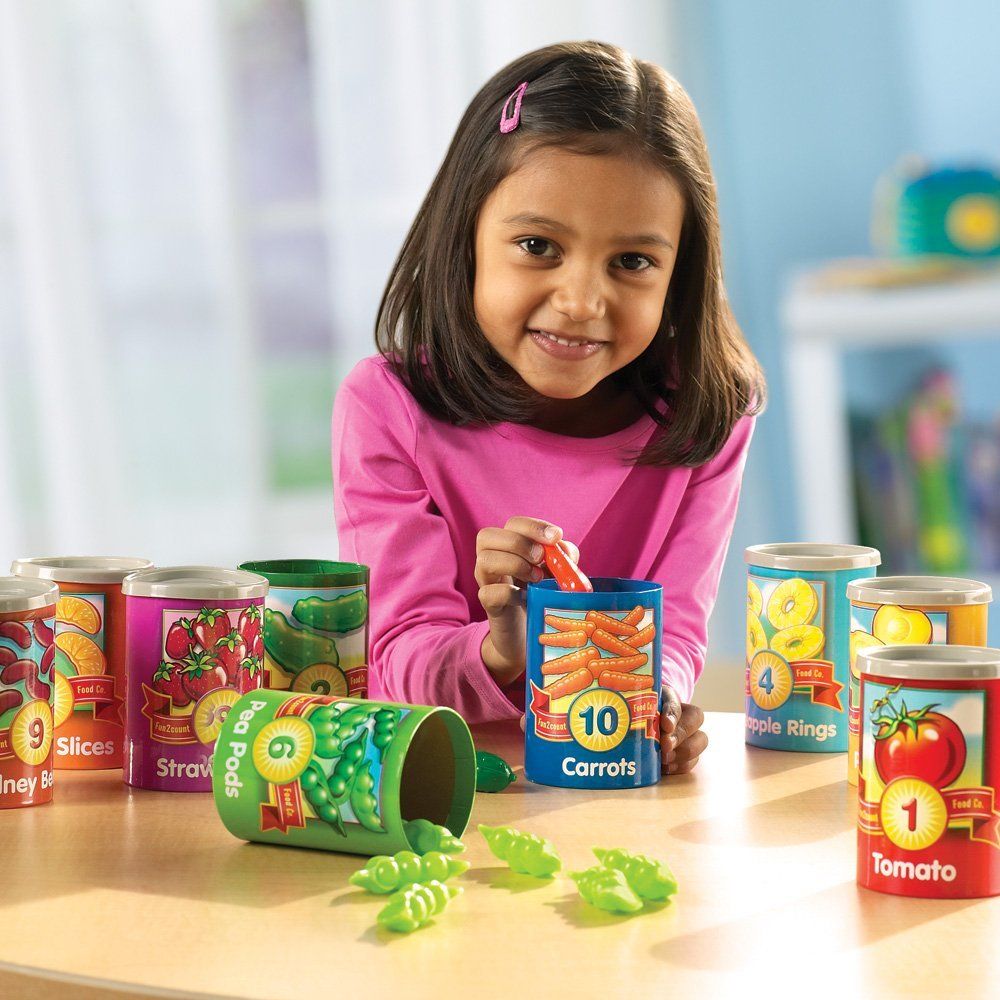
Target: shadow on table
<point>501,877</point>
<point>575,912</point>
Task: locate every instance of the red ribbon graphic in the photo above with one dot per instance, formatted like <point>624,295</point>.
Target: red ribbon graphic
<point>817,675</point>
<point>554,726</point>
<point>164,727</point>
<point>98,691</point>
<point>357,681</point>
<point>6,750</point>
<point>284,814</point>
<point>975,804</point>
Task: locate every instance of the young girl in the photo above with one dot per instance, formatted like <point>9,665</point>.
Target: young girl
<point>558,364</point>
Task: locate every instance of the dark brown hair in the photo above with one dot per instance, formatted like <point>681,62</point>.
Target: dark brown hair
<point>592,98</point>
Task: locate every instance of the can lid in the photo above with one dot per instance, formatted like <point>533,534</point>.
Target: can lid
<point>308,572</point>
<point>79,569</point>
<point>812,556</point>
<point>19,594</point>
<point>922,590</point>
<point>930,662</point>
<point>195,583</point>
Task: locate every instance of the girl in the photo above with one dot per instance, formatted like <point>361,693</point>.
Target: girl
<point>558,362</point>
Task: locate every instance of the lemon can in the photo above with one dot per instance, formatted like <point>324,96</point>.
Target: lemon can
<point>909,611</point>
<point>797,652</point>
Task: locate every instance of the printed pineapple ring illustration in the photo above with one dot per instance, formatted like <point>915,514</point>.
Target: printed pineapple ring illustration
<point>31,733</point>
<point>861,640</point>
<point>76,611</point>
<point>63,700</point>
<point>800,642</point>
<point>211,712</point>
<point>896,626</point>
<point>756,637</point>
<point>282,749</point>
<point>85,655</point>
<point>793,602</point>
<point>913,814</point>
<point>599,719</point>
<point>755,603</point>
<point>321,678</point>
<point>771,680</point>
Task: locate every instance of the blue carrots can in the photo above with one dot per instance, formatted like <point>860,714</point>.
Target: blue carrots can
<point>593,698</point>
<point>798,629</point>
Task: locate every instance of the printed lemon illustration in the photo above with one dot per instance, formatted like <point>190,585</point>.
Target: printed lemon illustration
<point>31,733</point>
<point>321,678</point>
<point>756,639</point>
<point>283,749</point>
<point>211,712</point>
<point>793,602</point>
<point>800,642</point>
<point>896,626</point>
<point>83,653</point>
<point>861,640</point>
<point>76,611</point>
<point>913,814</point>
<point>62,700</point>
<point>599,719</point>
<point>755,603</point>
<point>771,680</point>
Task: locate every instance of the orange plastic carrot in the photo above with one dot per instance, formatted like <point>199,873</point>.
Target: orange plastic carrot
<point>572,683</point>
<point>569,624</point>
<point>635,615</point>
<point>609,624</point>
<point>643,636</point>
<point>568,575</point>
<point>578,637</point>
<point>572,661</point>
<point>611,643</point>
<point>622,663</point>
<point>618,681</point>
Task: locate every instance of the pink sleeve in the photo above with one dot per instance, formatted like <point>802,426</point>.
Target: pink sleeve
<point>693,556</point>
<point>424,648</point>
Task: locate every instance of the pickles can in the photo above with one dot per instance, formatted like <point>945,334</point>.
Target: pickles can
<point>910,610</point>
<point>341,774</point>
<point>797,643</point>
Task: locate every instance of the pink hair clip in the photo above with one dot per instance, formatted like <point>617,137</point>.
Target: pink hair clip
<point>509,123</point>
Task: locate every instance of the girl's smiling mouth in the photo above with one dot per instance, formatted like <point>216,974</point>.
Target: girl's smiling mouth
<point>565,348</point>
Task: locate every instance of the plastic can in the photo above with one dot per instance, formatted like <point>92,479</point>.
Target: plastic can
<point>342,774</point>
<point>913,611</point>
<point>593,684</point>
<point>90,656</point>
<point>189,631</point>
<point>315,637</point>
<point>797,643</point>
<point>27,653</point>
<point>928,818</point>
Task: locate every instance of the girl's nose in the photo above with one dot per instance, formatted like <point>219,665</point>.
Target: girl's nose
<point>579,297</point>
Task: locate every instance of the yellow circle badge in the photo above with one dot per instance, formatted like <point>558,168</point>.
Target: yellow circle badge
<point>599,719</point>
<point>913,814</point>
<point>771,680</point>
<point>31,733</point>
<point>62,699</point>
<point>321,678</point>
<point>282,749</point>
<point>211,712</point>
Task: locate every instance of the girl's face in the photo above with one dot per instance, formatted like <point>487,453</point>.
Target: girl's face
<point>574,254</point>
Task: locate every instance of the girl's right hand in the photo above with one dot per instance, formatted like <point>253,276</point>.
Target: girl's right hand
<point>506,559</point>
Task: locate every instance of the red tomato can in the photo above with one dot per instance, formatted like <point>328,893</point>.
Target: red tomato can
<point>928,816</point>
<point>89,678</point>
<point>27,652</point>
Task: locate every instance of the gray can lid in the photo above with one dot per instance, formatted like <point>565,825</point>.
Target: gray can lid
<point>927,591</point>
<point>79,569</point>
<point>930,662</point>
<point>196,583</point>
<point>19,594</point>
<point>816,556</point>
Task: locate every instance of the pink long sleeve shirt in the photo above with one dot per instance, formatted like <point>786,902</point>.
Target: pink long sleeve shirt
<point>411,493</point>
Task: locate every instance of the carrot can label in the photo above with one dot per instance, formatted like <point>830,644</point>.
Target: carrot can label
<point>928,815</point>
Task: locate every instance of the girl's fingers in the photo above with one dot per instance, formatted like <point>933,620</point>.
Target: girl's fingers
<point>497,597</point>
<point>691,720</point>
<point>571,550</point>
<point>691,749</point>
<point>499,567</point>
<point>670,715</point>
<point>502,540</point>
<point>535,529</point>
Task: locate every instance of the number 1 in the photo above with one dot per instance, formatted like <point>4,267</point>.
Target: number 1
<point>911,810</point>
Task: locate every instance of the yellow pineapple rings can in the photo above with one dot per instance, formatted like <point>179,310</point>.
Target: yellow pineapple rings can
<point>909,611</point>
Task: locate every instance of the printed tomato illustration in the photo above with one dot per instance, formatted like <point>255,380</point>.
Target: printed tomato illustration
<point>231,651</point>
<point>202,673</point>
<point>180,639</point>
<point>918,743</point>
<point>168,680</point>
<point>249,627</point>
<point>211,625</point>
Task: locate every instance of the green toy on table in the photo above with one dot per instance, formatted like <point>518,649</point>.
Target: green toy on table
<point>525,853</point>
<point>607,889</point>
<point>384,874</point>
<point>425,836</point>
<point>650,879</point>
<point>493,773</point>
<point>411,908</point>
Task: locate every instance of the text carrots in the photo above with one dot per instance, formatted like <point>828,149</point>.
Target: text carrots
<point>572,661</point>
<point>642,636</point>
<point>618,681</point>
<point>611,643</point>
<point>572,683</point>
<point>569,624</point>
<point>609,624</point>
<point>576,637</point>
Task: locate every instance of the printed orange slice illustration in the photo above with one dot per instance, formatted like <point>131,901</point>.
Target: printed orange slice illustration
<point>83,653</point>
<point>793,602</point>
<point>63,700</point>
<point>800,642</point>
<point>897,626</point>
<point>76,611</point>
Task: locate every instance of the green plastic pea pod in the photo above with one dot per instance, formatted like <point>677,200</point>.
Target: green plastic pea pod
<point>383,875</point>
<point>525,853</point>
<point>493,773</point>
<point>650,878</point>
<point>607,889</point>
<point>411,908</point>
<point>425,836</point>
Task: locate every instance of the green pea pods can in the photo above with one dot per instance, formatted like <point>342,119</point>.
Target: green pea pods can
<point>315,635</point>
<point>341,774</point>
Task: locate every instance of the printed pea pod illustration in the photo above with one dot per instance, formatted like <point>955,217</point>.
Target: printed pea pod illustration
<point>341,614</point>
<point>294,649</point>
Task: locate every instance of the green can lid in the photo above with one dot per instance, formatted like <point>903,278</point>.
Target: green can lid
<point>944,663</point>
<point>815,556</point>
<point>19,594</point>
<point>308,572</point>
<point>926,591</point>
<point>195,583</point>
<point>79,569</point>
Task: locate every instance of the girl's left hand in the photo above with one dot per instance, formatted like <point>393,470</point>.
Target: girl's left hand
<point>682,741</point>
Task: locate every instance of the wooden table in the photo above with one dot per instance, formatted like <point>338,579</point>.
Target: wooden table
<point>147,891</point>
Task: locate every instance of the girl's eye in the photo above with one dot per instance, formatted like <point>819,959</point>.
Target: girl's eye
<point>537,247</point>
<point>634,262</point>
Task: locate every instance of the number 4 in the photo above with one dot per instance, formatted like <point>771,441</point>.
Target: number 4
<point>765,681</point>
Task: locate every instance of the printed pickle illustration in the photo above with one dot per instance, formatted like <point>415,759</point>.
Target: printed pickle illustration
<point>294,649</point>
<point>340,614</point>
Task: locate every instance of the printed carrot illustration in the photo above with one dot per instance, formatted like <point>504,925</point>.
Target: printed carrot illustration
<point>572,661</point>
<point>611,643</point>
<point>623,663</point>
<point>609,624</point>
<point>573,682</point>
<point>635,615</point>
<point>569,624</point>
<point>643,636</point>
<point>578,637</point>
<point>618,681</point>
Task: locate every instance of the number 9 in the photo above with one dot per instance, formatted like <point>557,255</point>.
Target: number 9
<point>36,733</point>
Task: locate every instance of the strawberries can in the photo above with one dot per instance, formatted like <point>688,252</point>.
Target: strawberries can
<point>190,632</point>
<point>928,817</point>
<point>27,651</point>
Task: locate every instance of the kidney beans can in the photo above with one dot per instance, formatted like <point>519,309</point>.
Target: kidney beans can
<point>593,684</point>
<point>796,643</point>
<point>910,610</point>
<point>189,636</point>
<point>89,680</point>
<point>27,653</point>
<point>928,816</point>
<point>315,636</point>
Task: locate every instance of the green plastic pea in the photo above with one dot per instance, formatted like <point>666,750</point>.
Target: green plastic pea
<point>425,836</point>
<point>607,889</point>
<point>411,908</point>
<point>525,853</point>
<point>651,879</point>
<point>387,874</point>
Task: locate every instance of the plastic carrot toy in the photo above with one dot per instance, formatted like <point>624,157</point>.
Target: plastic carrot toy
<point>566,572</point>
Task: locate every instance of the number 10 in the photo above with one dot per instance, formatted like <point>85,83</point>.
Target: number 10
<point>607,720</point>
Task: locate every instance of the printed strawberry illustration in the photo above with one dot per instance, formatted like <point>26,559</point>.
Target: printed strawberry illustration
<point>211,625</point>
<point>180,639</point>
<point>169,680</point>
<point>202,673</point>
<point>231,651</point>
<point>250,627</point>
<point>247,680</point>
